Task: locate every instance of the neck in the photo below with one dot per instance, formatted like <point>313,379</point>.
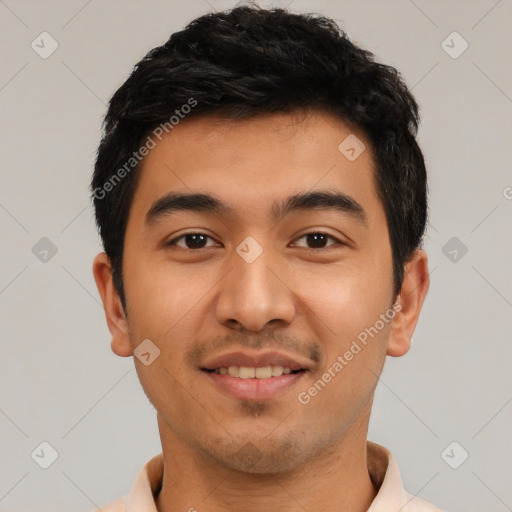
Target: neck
<point>336,480</point>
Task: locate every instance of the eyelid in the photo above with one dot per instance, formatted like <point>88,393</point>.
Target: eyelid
<point>174,240</point>
<point>320,232</point>
<point>182,235</point>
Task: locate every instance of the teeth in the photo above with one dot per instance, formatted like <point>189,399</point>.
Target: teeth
<point>277,371</point>
<point>263,372</point>
<point>248,372</point>
<point>245,372</point>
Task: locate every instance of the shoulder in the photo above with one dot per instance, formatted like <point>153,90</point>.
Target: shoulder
<point>118,505</point>
<point>415,504</point>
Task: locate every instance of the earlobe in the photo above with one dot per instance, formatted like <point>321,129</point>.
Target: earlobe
<point>114,312</point>
<point>412,295</point>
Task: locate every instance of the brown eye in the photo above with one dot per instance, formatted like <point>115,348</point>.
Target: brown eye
<point>318,240</point>
<point>191,241</point>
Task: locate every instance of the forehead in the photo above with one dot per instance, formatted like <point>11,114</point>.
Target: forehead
<point>253,163</point>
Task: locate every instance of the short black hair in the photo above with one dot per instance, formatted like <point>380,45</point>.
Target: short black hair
<point>250,61</point>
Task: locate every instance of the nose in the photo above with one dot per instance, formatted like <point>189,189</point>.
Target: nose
<point>255,295</point>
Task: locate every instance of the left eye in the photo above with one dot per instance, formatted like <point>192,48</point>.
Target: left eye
<point>318,240</point>
<point>199,240</point>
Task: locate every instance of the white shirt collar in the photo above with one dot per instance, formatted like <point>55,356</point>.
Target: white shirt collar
<point>382,467</point>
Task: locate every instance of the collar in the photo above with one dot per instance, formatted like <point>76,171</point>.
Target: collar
<point>382,467</point>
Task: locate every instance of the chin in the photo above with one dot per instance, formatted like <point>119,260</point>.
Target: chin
<point>263,457</point>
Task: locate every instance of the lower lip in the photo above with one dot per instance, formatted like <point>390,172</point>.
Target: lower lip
<point>253,389</point>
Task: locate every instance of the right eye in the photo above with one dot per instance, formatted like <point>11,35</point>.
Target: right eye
<point>191,241</point>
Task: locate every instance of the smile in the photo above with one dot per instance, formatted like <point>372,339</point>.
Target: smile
<point>253,383</point>
<point>251,372</point>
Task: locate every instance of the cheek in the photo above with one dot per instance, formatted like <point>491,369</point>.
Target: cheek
<point>348,298</point>
<point>165,301</point>
<point>346,306</point>
<point>153,299</point>
<point>354,332</point>
<point>354,340</point>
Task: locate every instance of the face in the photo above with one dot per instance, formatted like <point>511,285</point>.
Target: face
<point>245,280</point>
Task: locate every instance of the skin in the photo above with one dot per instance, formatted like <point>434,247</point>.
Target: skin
<point>223,453</point>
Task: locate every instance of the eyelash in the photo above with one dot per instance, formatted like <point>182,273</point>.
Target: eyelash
<point>338,242</point>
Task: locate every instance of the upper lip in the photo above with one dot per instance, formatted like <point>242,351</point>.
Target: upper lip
<point>255,359</point>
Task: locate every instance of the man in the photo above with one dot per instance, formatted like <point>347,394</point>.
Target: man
<point>262,200</point>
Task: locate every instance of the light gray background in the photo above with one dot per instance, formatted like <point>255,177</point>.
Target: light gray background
<point>61,383</point>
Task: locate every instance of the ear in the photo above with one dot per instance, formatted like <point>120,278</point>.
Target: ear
<point>114,312</point>
<point>408,305</point>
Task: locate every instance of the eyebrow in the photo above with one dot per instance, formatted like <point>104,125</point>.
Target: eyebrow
<point>304,201</point>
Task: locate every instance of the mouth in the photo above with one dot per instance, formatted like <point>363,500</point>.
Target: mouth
<point>254,372</point>
<point>254,376</point>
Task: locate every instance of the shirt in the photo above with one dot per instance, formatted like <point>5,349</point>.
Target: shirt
<point>382,467</point>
